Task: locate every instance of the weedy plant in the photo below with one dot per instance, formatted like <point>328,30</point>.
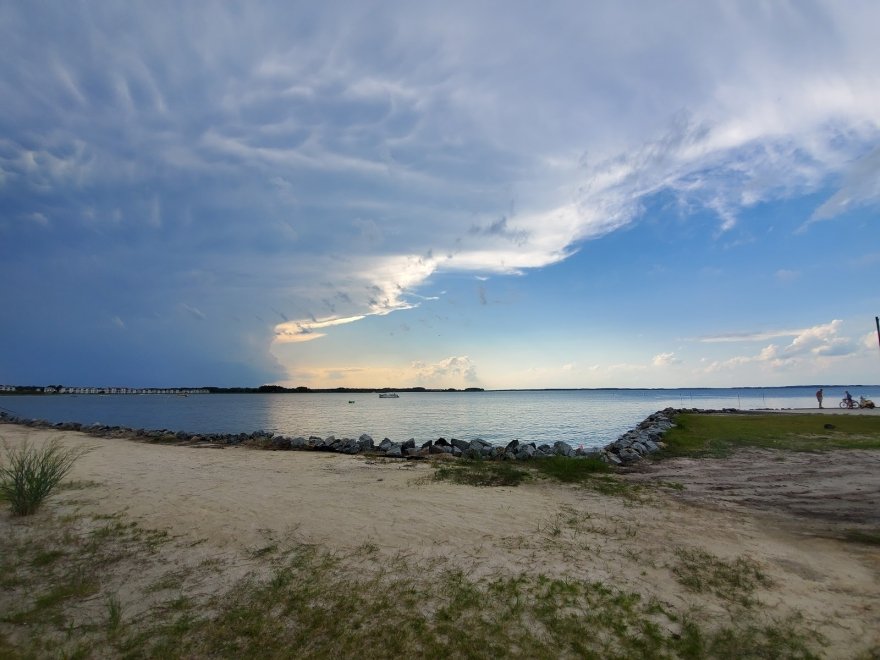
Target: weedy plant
<point>30,474</point>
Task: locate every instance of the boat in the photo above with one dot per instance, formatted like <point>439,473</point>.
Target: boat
<point>388,395</point>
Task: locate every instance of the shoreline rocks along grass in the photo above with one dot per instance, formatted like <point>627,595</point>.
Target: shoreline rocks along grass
<point>633,445</point>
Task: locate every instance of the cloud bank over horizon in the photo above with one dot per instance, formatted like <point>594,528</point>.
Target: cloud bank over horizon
<point>258,193</point>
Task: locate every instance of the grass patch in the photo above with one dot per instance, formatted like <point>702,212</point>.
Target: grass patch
<point>114,615</point>
<point>863,536</point>
<point>732,581</point>
<point>301,601</point>
<point>588,473</point>
<point>30,474</point>
<point>570,470</point>
<point>480,473</point>
<point>719,435</point>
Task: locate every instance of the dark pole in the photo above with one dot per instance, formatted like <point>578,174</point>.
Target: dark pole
<point>877,321</point>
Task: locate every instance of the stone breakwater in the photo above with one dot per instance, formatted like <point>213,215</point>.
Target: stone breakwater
<point>632,446</point>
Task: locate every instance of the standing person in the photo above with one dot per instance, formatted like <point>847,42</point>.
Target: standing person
<point>819,395</point>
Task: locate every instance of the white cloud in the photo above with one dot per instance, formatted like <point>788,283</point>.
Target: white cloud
<point>809,344</point>
<point>449,372</point>
<point>665,360</point>
<point>819,338</point>
<point>861,186</point>
<point>304,330</point>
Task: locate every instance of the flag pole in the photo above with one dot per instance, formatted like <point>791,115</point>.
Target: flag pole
<point>877,321</point>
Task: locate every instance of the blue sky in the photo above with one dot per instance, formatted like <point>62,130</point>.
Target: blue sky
<point>495,194</point>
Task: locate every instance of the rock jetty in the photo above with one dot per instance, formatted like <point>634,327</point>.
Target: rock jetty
<point>632,446</point>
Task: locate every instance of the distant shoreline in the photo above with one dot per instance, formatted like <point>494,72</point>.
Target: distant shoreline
<point>33,390</point>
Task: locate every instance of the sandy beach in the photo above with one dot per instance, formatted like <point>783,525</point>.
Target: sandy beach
<point>790,514</point>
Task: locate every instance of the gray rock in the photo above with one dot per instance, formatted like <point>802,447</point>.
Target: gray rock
<point>350,446</point>
<point>628,455</point>
<point>562,449</point>
<point>394,451</point>
<point>280,442</point>
<point>611,459</point>
<point>476,446</point>
<point>462,445</point>
<point>298,443</point>
<point>385,444</point>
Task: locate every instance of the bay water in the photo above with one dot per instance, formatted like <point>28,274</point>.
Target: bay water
<point>586,418</point>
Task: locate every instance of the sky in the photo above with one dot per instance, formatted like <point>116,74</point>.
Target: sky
<point>460,194</point>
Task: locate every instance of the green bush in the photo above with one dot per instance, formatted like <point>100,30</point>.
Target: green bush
<point>29,474</point>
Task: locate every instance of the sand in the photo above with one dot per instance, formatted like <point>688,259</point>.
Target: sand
<point>788,513</point>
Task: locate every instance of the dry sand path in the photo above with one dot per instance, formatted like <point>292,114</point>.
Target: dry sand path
<point>231,500</point>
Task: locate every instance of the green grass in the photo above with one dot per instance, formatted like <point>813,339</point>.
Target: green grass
<point>719,435</point>
<point>867,537</point>
<point>570,470</point>
<point>481,473</point>
<point>308,607</point>
<point>304,602</point>
<point>114,615</point>
<point>588,473</point>
<point>29,474</point>
<point>733,581</point>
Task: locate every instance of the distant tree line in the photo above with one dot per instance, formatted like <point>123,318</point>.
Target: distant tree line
<point>263,389</point>
<point>278,389</point>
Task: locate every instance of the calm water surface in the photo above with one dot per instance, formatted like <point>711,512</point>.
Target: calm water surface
<point>581,417</point>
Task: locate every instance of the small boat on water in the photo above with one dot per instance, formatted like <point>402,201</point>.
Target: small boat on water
<point>388,395</point>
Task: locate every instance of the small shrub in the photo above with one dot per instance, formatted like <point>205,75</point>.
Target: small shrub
<point>31,473</point>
